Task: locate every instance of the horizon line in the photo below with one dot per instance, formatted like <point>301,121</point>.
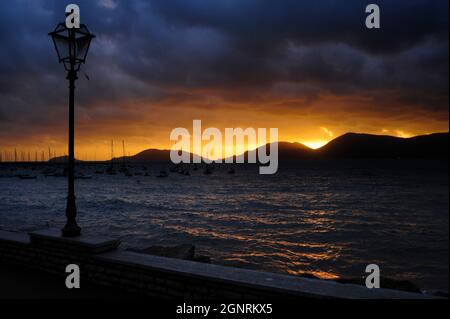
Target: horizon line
<point>247,150</point>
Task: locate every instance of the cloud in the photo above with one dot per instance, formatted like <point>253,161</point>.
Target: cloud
<point>110,4</point>
<point>284,57</point>
<point>327,131</point>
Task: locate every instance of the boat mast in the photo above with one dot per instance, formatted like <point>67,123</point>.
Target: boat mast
<point>112,152</point>
<point>123,150</point>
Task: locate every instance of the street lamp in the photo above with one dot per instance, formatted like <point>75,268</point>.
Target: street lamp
<point>72,46</point>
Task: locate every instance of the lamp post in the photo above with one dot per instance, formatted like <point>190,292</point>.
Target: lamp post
<point>72,46</point>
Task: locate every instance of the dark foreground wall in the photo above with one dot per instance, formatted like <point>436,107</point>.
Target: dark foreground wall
<point>101,262</point>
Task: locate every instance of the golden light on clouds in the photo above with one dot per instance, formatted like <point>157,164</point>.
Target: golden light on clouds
<point>175,63</point>
<point>327,131</point>
<point>144,125</point>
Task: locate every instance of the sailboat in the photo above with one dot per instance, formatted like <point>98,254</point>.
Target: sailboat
<point>110,170</point>
<point>208,170</point>
<point>123,168</point>
<point>163,174</point>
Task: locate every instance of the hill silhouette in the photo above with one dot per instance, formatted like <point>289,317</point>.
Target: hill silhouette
<point>350,145</point>
<point>286,150</point>
<point>151,155</point>
<point>353,145</point>
<point>61,159</point>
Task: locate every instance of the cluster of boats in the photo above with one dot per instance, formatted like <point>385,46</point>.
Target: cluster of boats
<point>33,172</point>
<point>28,174</point>
<point>208,170</point>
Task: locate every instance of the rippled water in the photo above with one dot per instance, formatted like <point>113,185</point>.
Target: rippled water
<point>328,218</point>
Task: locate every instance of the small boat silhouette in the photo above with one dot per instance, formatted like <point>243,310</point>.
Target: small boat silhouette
<point>27,176</point>
<point>175,168</point>
<point>82,176</point>
<point>111,171</point>
<point>163,174</point>
<point>128,174</point>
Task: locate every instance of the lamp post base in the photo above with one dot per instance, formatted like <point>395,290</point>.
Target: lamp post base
<point>72,230</point>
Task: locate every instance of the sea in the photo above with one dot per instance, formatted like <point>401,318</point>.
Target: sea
<point>326,218</point>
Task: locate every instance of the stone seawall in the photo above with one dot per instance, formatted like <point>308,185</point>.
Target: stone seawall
<point>102,262</point>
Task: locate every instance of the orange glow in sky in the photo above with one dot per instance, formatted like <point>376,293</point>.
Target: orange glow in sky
<point>315,144</point>
<point>146,125</point>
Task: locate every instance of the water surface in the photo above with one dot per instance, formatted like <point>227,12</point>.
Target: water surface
<point>328,218</point>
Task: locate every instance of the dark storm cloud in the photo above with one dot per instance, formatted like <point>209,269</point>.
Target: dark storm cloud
<point>265,24</point>
<point>175,50</point>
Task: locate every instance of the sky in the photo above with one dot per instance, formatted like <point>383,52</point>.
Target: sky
<point>310,68</point>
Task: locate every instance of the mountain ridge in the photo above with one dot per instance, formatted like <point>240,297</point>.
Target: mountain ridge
<point>349,145</point>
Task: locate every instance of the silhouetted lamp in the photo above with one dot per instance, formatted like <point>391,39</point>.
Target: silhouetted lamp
<point>72,46</point>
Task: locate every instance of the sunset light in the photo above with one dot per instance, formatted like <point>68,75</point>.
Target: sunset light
<point>315,144</point>
<point>233,158</point>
